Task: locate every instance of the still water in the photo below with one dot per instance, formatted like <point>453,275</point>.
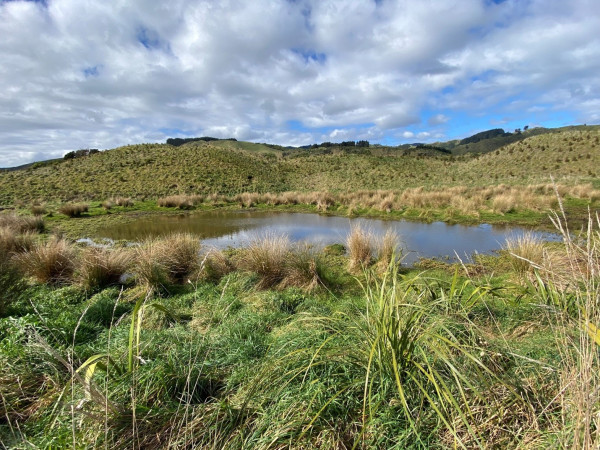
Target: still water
<point>222,229</point>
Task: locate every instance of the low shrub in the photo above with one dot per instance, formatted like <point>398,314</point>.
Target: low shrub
<point>73,209</point>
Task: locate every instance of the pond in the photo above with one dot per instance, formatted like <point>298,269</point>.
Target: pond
<point>224,229</point>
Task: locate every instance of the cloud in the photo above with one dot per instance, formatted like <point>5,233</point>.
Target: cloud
<point>79,73</point>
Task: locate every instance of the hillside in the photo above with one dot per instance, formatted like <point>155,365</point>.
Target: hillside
<point>571,155</point>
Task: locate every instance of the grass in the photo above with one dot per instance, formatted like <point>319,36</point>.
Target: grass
<point>360,244</point>
<point>266,256</point>
<point>52,262</point>
<point>249,358</point>
<point>153,171</point>
<point>73,210</point>
<point>102,267</point>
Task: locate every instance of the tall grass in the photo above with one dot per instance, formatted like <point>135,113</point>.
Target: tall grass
<point>21,224</point>
<point>361,251</point>
<point>52,262</point>
<point>73,209</point>
<point>101,267</point>
<point>170,260</point>
<point>526,252</point>
<point>267,256</point>
<point>570,287</point>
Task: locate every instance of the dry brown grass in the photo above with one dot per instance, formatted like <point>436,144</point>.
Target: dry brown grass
<point>102,267</point>
<point>176,201</point>
<point>267,257</point>
<point>21,224</point>
<point>51,262</point>
<point>304,268</point>
<point>361,248</point>
<point>388,250</point>
<point>215,265</point>
<point>73,209</point>
<point>12,242</point>
<point>526,253</point>
<point>123,201</point>
<point>180,253</point>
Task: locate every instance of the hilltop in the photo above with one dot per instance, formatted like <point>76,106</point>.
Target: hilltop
<point>571,155</point>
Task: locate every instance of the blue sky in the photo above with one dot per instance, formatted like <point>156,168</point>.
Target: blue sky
<point>88,74</point>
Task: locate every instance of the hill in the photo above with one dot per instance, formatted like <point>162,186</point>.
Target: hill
<point>571,155</point>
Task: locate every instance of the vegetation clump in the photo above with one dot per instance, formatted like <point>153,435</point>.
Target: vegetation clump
<point>73,209</point>
<point>51,262</point>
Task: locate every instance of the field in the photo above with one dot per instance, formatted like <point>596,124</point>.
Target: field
<point>169,344</point>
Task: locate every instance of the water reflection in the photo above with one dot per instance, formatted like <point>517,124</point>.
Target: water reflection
<point>237,228</point>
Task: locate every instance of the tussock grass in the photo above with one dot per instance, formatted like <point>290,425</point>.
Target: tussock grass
<point>388,250</point>
<point>361,248</point>
<point>526,253</point>
<point>170,260</point>
<point>180,201</point>
<point>100,267</point>
<point>215,265</point>
<point>266,256</point>
<point>12,242</point>
<point>73,209</point>
<point>304,268</point>
<point>37,210</point>
<point>123,201</point>
<point>51,262</point>
<point>21,224</point>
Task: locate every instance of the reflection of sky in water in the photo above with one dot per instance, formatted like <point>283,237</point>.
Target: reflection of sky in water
<point>436,239</point>
<point>233,229</point>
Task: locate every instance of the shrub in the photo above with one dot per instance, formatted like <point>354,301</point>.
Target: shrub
<point>360,248</point>
<point>50,262</point>
<point>107,204</point>
<point>102,267</point>
<point>73,209</point>
<point>266,256</point>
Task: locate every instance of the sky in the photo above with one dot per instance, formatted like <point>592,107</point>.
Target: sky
<point>92,74</point>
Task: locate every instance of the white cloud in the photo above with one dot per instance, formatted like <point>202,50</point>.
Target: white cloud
<point>80,73</point>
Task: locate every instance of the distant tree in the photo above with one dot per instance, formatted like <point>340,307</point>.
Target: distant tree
<point>347,144</point>
<point>362,144</point>
<point>526,127</point>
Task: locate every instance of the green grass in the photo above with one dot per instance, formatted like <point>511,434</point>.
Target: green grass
<point>411,357</point>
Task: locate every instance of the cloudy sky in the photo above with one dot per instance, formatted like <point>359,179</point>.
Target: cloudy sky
<point>100,74</point>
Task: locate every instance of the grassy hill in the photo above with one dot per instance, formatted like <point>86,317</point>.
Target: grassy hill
<point>570,155</point>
